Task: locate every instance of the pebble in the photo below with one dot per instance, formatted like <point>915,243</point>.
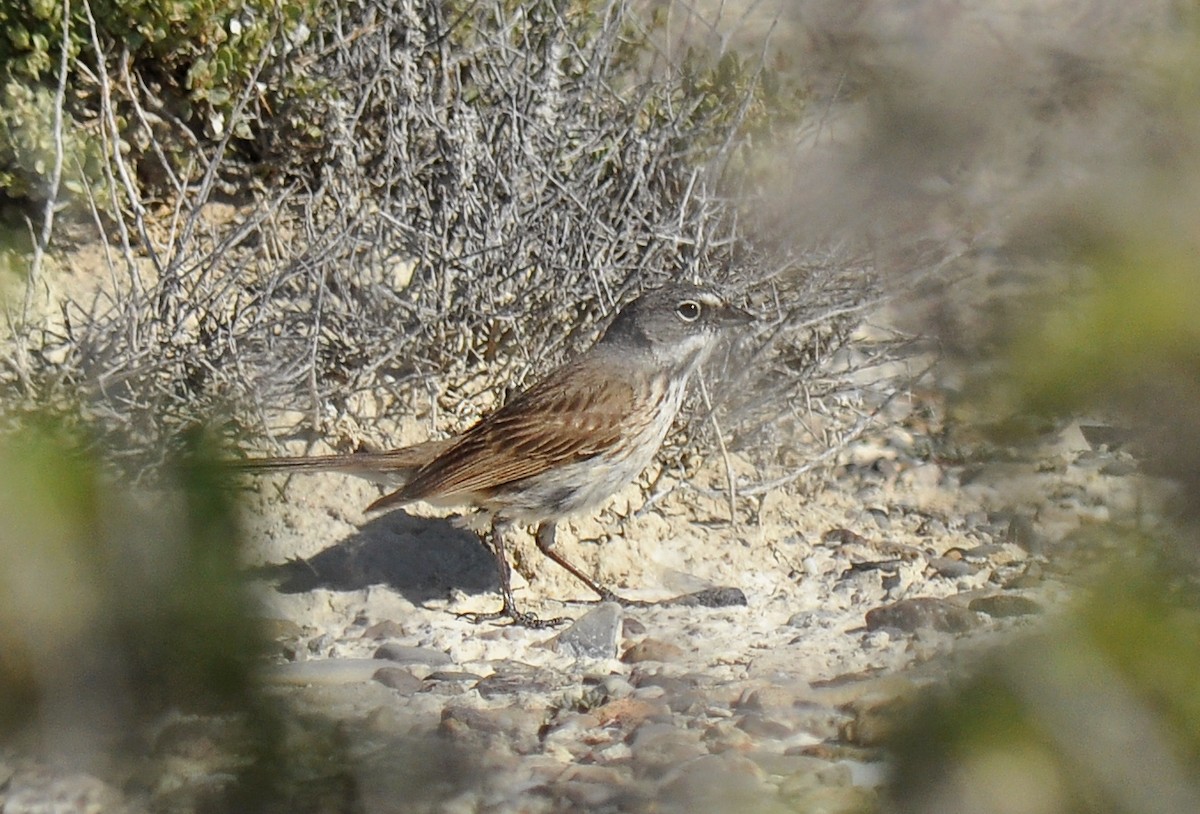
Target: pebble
<point>387,629</point>
<point>952,567</point>
<point>1021,532</point>
<point>631,627</point>
<point>628,713</point>
<point>875,719</point>
<point>765,699</point>
<point>656,747</point>
<point>759,725</point>
<point>399,679</point>
<point>1005,605</point>
<point>571,734</point>
<point>932,527</point>
<point>593,635</point>
<point>910,615</point>
<point>515,726</point>
<point>651,650</point>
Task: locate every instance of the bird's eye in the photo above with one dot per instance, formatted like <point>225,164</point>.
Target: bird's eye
<point>688,310</point>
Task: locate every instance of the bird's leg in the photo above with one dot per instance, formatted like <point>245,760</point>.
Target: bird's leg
<point>545,542</point>
<point>495,541</point>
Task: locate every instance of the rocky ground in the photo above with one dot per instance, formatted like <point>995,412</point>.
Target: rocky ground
<point>886,577</point>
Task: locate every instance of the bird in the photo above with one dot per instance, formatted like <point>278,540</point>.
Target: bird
<point>564,445</point>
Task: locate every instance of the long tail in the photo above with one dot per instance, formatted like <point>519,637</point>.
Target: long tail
<point>387,467</point>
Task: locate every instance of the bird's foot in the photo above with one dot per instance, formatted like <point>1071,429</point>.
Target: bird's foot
<point>608,596</point>
<point>515,617</point>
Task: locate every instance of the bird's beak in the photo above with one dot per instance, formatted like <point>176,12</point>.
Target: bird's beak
<point>730,316</point>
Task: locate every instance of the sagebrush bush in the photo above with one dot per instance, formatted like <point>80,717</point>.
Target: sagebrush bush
<point>174,67</point>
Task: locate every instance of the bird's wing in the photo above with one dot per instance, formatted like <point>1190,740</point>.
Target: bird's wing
<point>565,418</point>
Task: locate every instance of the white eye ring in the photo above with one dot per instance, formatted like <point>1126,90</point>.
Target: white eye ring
<point>688,310</point>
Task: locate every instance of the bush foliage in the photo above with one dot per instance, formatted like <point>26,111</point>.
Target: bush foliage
<point>178,64</point>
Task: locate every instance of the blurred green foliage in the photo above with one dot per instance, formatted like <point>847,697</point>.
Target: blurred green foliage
<point>117,605</point>
<point>1130,329</point>
<point>1099,713</point>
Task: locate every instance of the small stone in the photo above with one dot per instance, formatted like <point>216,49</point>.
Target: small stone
<point>616,686</point>
<point>759,725</point>
<point>593,635</point>
<point>1031,577</point>
<point>810,620</point>
<point>843,536</point>
<point>516,725</point>
<point>952,567</point>
<point>657,747</point>
<point>981,553</point>
<point>584,796</point>
<point>1005,605</point>
<point>572,733</point>
<point>632,627</point>
<point>404,654</point>
<point>876,717</point>
<point>932,527</point>
<point>723,736</point>
<point>769,699</point>
<point>628,713</point>
<point>909,615</point>
<point>588,787</point>
<point>651,650</point>
<point>644,680</point>
<point>387,629</point>
<point>1022,533</point>
<point>725,782</point>
<point>398,679</point>
<point>879,517</point>
<point>690,703</point>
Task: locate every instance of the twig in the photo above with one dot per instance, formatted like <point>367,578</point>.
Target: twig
<point>730,475</point>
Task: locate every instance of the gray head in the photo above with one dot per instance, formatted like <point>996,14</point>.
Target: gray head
<point>677,324</point>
